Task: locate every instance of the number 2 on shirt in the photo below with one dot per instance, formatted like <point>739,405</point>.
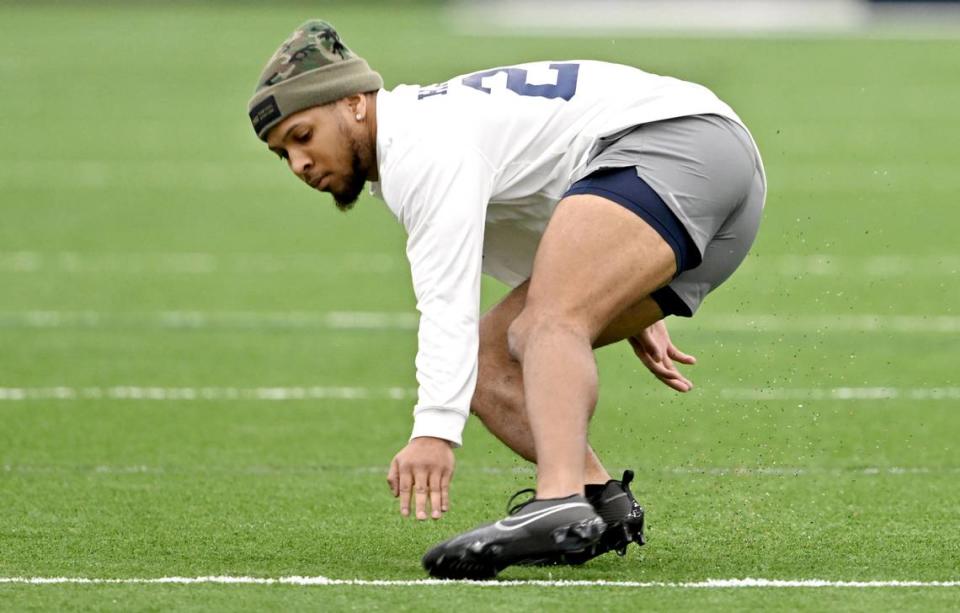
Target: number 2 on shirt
<point>565,87</point>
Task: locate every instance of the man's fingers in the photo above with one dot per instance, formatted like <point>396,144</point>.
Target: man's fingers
<point>650,345</point>
<point>445,491</point>
<point>679,375</point>
<point>420,493</point>
<point>648,361</point>
<point>657,353</point>
<point>662,370</point>
<point>680,356</point>
<point>674,379</point>
<point>433,482</point>
<point>676,376</point>
<point>392,478</point>
<point>406,480</point>
<point>681,385</point>
<point>669,375</point>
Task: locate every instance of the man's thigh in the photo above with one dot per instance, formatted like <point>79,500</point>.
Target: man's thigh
<point>596,261</point>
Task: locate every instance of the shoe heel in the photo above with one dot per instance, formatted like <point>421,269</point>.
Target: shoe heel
<point>633,529</point>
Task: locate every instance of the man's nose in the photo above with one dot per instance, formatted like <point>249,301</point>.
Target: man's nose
<point>300,163</point>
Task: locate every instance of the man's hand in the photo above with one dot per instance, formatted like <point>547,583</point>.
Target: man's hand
<point>423,469</point>
<point>657,353</point>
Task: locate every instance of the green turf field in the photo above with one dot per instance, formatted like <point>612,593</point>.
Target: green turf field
<point>168,292</point>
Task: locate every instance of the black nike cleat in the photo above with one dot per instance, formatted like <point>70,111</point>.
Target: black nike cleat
<point>620,511</point>
<point>535,530</point>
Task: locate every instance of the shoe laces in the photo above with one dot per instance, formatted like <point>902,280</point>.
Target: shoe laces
<point>515,508</point>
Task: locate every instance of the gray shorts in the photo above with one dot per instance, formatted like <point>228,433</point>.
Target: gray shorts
<point>707,171</point>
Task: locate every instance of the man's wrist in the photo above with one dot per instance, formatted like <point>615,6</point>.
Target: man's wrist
<point>450,444</point>
<point>442,423</point>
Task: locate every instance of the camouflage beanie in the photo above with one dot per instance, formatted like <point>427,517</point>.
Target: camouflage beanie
<point>310,68</point>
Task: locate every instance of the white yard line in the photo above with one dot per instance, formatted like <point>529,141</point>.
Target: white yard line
<point>203,263</point>
<point>399,320</point>
<point>334,320</point>
<point>905,324</point>
<point>180,394</point>
<point>326,581</point>
<point>842,393</point>
<point>199,263</point>
<point>712,471</point>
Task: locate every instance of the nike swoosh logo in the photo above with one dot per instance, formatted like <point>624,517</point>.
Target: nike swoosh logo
<point>534,516</point>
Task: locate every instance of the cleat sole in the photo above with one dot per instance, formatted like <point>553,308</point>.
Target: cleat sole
<point>480,561</point>
<point>476,562</point>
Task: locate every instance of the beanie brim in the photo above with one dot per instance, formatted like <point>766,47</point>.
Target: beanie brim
<point>271,105</point>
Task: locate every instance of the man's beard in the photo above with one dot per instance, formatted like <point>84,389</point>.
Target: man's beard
<point>356,179</point>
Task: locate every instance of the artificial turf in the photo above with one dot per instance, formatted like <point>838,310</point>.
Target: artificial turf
<point>131,186</point>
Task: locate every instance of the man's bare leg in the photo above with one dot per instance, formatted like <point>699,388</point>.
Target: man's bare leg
<point>498,399</point>
<point>595,261</point>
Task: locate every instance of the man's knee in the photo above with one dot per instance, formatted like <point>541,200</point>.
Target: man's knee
<point>537,323</point>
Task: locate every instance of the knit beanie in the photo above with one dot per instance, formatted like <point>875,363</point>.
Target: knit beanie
<point>310,68</point>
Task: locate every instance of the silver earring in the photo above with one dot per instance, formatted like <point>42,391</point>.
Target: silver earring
<point>359,117</point>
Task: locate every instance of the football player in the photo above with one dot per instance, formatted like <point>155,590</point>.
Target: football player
<point>605,196</point>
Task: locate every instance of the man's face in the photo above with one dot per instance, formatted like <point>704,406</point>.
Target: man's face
<point>325,150</point>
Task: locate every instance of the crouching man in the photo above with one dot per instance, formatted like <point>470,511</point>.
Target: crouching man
<point>607,197</point>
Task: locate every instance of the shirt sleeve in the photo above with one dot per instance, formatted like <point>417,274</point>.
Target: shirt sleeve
<point>442,203</point>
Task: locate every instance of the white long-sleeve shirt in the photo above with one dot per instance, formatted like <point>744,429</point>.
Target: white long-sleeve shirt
<point>473,168</point>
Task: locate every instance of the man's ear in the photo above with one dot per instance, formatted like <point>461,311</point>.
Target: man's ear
<point>357,104</point>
